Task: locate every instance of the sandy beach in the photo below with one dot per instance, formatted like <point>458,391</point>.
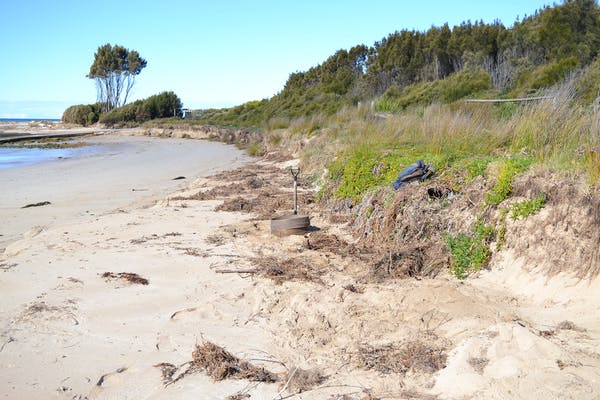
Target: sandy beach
<point>117,297</point>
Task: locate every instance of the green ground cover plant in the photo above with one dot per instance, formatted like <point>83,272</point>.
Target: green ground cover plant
<point>469,252</point>
<point>525,208</point>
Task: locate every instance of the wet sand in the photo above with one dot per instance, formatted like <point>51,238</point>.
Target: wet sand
<point>121,171</point>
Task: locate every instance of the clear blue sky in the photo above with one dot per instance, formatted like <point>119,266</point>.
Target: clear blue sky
<point>210,53</point>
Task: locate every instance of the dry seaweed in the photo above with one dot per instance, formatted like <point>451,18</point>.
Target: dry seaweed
<point>167,371</point>
<point>130,277</point>
<point>220,364</point>
<point>217,363</point>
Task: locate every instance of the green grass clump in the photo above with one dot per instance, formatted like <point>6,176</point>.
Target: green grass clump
<point>255,150</point>
<point>525,208</point>
<point>470,252</point>
<point>509,169</point>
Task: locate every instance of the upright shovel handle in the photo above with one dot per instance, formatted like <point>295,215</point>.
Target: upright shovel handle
<point>295,172</point>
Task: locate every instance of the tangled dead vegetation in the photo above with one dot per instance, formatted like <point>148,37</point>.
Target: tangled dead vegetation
<point>220,364</point>
<point>287,269</point>
<point>327,242</point>
<point>265,204</point>
<point>129,277</point>
<point>405,229</point>
<point>409,261</point>
<point>260,189</point>
<point>411,356</point>
<point>217,363</point>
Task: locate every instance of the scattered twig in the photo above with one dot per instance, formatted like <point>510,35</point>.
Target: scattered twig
<point>41,203</point>
<point>10,340</point>
<point>286,384</point>
<point>236,271</point>
<point>182,311</point>
<point>118,371</point>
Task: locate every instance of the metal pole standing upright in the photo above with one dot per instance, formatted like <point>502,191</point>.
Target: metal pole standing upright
<point>295,173</point>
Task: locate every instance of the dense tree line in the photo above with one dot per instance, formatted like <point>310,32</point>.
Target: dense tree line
<point>535,52</point>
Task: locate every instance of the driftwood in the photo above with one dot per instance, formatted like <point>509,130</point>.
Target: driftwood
<point>237,271</point>
<point>40,204</point>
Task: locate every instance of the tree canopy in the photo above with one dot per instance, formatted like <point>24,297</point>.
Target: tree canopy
<point>114,70</point>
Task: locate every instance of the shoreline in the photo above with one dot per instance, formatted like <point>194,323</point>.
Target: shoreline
<point>126,170</point>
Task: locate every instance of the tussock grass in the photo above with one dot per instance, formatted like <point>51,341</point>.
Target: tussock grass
<point>362,150</point>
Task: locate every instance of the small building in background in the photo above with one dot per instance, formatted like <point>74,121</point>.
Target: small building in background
<point>186,113</point>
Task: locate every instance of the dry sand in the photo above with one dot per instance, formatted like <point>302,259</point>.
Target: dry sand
<point>67,332</point>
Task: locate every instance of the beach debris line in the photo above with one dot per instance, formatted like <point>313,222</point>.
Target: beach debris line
<point>130,277</point>
<point>40,204</point>
<point>217,363</point>
<point>280,269</point>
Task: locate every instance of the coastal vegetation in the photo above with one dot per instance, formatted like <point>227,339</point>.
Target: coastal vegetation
<point>163,105</point>
<point>443,64</point>
<point>364,114</point>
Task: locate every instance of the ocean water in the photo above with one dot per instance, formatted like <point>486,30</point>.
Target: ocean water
<point>14,157</point>
<point>21,120</point>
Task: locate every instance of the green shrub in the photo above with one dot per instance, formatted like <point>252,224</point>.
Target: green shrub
<point>454,87</point>
<point>83,114</point>
<point>588,85</point>
<point>470,252</point>
<point>549,74</point>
